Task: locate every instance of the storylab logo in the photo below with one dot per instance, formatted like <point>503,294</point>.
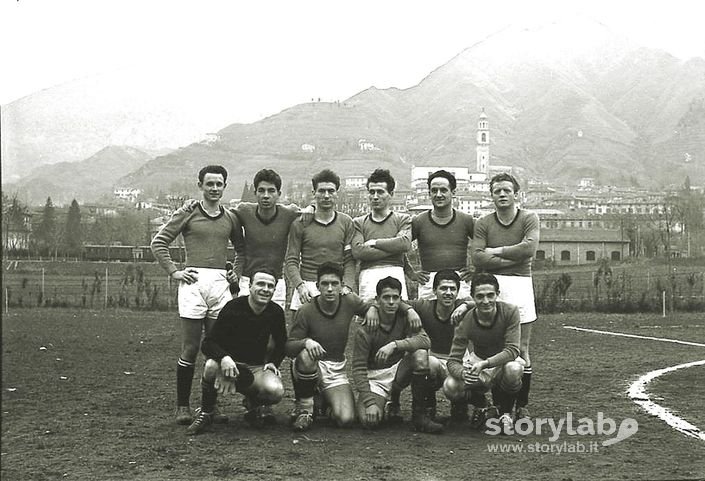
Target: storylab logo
<point>567,426</point>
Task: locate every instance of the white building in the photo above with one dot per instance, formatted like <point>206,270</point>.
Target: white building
<point>126,193</point>
<point>308,147</point>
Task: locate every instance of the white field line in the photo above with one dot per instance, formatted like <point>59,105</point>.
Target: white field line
<point>637,390</point>
<point>621,334</point>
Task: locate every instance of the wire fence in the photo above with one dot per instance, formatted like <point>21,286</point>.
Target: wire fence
<point>144,285</point>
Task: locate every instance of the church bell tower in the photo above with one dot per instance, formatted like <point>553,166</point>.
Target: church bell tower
<point>483,144</point>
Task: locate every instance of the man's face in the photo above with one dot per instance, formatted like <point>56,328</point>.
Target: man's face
<point>446,293</point>
<point>262,288</point>
<point>503,194</point>
<point>485,297</point>
<point>325,195</point>
<point>330,286</point>
<point>212,186</point>
<point>441,195</point>
<point>379,196</point>
<point>389,300</point>
<point>267,195</point>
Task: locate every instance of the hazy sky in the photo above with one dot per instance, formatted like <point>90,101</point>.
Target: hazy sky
<point>286,52</point>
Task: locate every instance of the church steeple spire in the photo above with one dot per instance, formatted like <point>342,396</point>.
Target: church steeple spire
<point>483,144</point>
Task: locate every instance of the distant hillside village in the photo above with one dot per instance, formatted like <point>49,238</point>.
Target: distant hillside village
<point>580,224</point>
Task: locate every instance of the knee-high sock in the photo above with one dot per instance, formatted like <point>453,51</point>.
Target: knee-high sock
<point>208,396</point>
<point>522,396</point>
<point>184,379</point>
<point>506,401</point>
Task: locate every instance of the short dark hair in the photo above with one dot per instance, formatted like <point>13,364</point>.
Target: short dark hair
<point>381,175</point>
<point>268,175</point>
<point>212,169</point>
<point>504,177</point>
<point>329,268</point>
<point>446,175</point>
<point>263,270</point>
<point>388,282</point>
<point>446,275</point>
<point>483,278</point>
<point>326,175</point>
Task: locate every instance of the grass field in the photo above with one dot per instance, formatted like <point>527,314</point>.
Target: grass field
<point>97,402</point>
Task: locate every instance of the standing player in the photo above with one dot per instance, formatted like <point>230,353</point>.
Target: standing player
<point>266,228</point>
<point>381,354</point>
<point>443,235</point>
<point>505,242</point>
<point>489,332</point>
<point>317,341</point>
<point>238,357</point>
<point>203,283</point>
<point>326,238</point>
<point>382,237</point>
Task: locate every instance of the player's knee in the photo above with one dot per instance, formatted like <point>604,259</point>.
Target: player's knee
<point>270,388</point>
<point>420,360</point>
<point>189,350</point>
<point>343,418</point>
<point>210,370</point>
<point>512,373</point>
<point>453,389</point>
<point>305,363</point>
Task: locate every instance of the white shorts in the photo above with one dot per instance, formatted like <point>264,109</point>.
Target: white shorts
<point>205,297</point>
<point>296,301</point>
<point>426,290</point>
<point>333,374</point>
<point>381,380</point>
<point>370,277</point>
<point>489,375</point>
<point>279,291</point>
<point>518,290</point>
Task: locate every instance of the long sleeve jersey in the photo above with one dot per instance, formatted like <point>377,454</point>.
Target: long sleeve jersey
<point>313,244</point>
<point>264,240</point>
<point>393,235</point>
<point>521,238</point>
<point>443,246</point>
<point>330,331</point>
<point>243,335</point>
<point>439,330</point>
<point>498,343</point>
<point>205,237</point>
<point>367,343</point>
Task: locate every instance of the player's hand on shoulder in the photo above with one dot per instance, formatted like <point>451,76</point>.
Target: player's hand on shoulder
<point>371,319</point>
<point>458,313</point>
<point>413,319</point>
<point>189,205</point>
<point>466,274</point>
<point>304,293</point>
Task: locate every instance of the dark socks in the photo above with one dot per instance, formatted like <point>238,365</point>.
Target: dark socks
<point>522,396</point>
<point>184,379</point>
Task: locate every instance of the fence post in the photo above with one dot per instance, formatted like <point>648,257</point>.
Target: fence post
<point>7,307</point>
<point>663,302</point>
<point>43,294</point>
<point>106,287</point>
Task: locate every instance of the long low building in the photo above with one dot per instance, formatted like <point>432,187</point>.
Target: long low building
<point>575,246</point>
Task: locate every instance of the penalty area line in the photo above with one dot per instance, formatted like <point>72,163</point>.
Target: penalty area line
<point>637,390</point>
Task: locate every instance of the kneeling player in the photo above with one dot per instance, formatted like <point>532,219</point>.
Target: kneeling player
<point>380,354</point>
<point>485,350</point>
<point>437,321</point>
<point>317,341</point>
<point>237,351</point>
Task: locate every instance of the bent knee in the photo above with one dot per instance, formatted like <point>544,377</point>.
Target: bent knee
<point>343,419</point>
<point>304,363</point>
<point>211,368</point>
<point>453,389</point>
<point>513,370</point>
<point>270,388</point>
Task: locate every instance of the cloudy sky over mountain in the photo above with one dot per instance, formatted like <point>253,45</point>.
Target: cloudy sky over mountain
<point>273,54</point>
